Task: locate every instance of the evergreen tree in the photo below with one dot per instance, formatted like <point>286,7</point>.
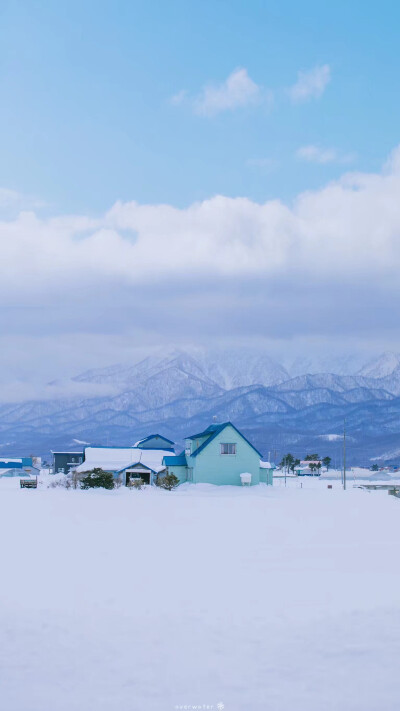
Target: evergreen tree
<point>295,463</point>
<point>97,478</point>
<point>287,462</point>
<point>326,462</point>
<point>312,458</point>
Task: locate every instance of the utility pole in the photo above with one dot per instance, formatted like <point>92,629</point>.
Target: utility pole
<point>344,453</point>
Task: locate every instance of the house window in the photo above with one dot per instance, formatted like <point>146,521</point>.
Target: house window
<point>228,448</point>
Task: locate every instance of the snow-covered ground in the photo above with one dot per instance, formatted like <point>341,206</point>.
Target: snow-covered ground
<point>256,598</point>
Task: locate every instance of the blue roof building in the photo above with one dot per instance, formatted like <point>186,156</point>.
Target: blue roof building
<point>219,455</point>
<point>18,466</point>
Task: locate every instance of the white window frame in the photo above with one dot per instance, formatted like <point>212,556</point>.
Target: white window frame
<point>228,445</point>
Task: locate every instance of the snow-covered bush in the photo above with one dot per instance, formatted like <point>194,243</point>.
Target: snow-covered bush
<point>72,480</point>
<point>136,483</point>
<point>62,483</point>
<point>169,482</point>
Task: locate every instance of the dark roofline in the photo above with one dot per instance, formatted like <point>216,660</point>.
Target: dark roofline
<point>217,432</point>
<point>75,452</point>
<point>145,439</point>
<point>211,429</point>
<point>134,464</point>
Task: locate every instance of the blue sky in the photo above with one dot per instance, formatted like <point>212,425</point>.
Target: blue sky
<point>87,119</point>
<point>196,173</point>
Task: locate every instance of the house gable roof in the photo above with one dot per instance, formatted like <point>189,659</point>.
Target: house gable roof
<point>141,442</point>
<point>212,429</point>
<point>215,430</point>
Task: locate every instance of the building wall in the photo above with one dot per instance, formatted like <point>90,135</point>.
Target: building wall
<point>266,476</point>
<point>15,462</point>
<point>212,467</point>
<point>193,444</point>
<point>66,460</point>
<point>180,472</point>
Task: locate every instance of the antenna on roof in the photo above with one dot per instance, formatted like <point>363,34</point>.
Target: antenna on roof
<point>214,419</point>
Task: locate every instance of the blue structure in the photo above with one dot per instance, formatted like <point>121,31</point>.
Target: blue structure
<point>219,455</point>
<point>63,462</point>
<point>155,441</point>
<point>18,466</point>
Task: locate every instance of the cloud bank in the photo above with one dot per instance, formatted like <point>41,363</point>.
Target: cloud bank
<point>324,267</point>
<point>357,215</point>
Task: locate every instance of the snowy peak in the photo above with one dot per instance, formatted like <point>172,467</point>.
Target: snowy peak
<point>382,366</point>
<point>234,368</point>
<point>226,369</point>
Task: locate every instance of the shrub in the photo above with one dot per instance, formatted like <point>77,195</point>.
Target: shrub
<point>169,482</point>
<point>136,483</point>
<point>72,480</point>
<point>97,479</point>
<point>63,483</point>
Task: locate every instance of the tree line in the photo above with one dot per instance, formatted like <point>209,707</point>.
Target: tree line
<point>289,463</point>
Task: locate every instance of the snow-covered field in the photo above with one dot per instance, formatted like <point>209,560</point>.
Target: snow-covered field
<point>261,598</point>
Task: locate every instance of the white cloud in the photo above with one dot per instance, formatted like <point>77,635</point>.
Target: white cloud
<point>316,154</point>
<point>310,84</point>
<point>179,98</point>
<point>237,91</point>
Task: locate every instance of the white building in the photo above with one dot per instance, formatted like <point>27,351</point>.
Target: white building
<point>142,461</point>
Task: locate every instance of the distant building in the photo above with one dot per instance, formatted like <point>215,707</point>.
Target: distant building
<point>63,462</point>
<point>306,471</point>
<point>219,455</point>
<point>18,466</point>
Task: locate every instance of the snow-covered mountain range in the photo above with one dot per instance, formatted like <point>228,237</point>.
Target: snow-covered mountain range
<point>278,406</point>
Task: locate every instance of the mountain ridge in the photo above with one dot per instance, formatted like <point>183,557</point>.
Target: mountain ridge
<point>174,392</point>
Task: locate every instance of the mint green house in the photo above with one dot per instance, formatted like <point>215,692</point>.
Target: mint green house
<point>219,455</point>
